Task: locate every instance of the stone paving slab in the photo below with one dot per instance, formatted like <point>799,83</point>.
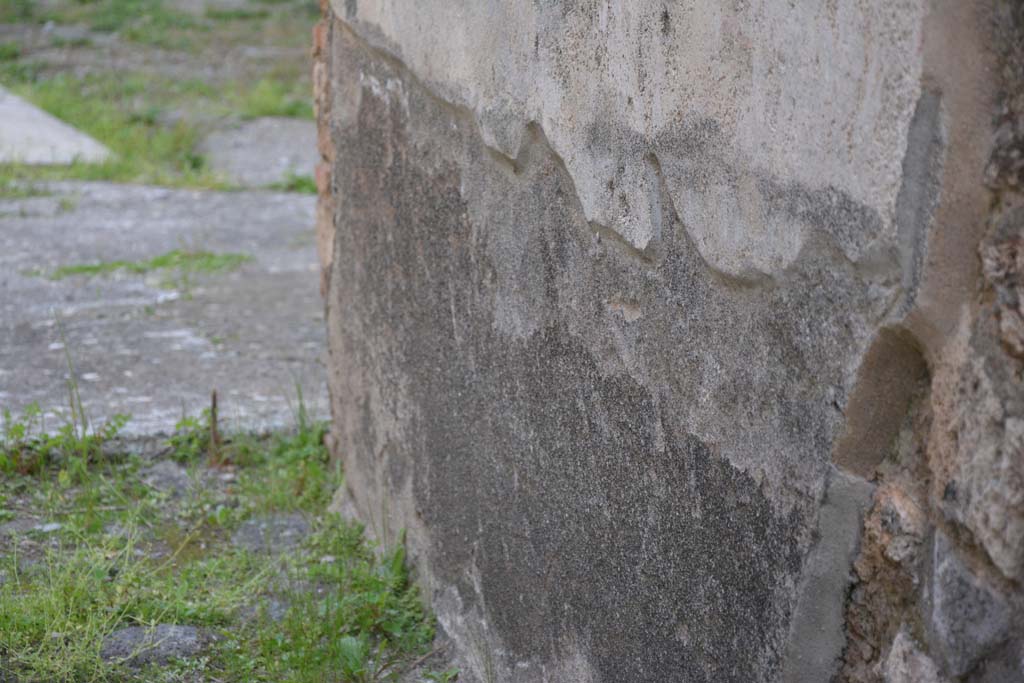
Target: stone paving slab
<point>138,646</point>
<point>263,151</point>
<point>31,136</point>
<point>148,349</point>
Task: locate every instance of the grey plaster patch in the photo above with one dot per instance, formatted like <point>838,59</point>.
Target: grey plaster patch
<point>817,634</point>
<point>919,191</point>
<point>139,646</point>
<point>273,534</point>
<point>155,345</point>
<point>263,151</point>
<point>31,136</point>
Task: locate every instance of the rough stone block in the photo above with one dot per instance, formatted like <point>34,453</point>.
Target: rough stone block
<point>140,646</point>
<point>967,618</point>
<point>906,663</point>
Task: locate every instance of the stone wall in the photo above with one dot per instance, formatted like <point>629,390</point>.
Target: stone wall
<point>685,339</point>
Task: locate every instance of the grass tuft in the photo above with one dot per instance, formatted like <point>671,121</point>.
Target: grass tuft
<point>236,14</point>
<point>12,11</point>
<point>363,621</point>
<point>108,109</point>
<point>296,183</point>
<point>27,447</point>
<point>177,259</point>
<point>9,52</point>
<point>149,22</point>
<point>274,98</point>
<point>13,189</point>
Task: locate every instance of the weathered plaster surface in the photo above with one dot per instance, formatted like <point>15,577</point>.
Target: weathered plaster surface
<point>769,120</point>
<point>493,352</point>
<point>616,290</point>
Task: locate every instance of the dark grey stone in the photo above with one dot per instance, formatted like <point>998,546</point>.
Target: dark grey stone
<point>1004,665</point>
<point>168,477</point>
<point>18,526</point>
<point>138,646</point>
<point>967,618</point>
<point>270,607</point>
<point>273,534</point>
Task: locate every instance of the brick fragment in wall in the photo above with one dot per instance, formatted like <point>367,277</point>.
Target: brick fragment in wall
<point>324,223</point>
<point>319,37</point>
<point>323,141</point>
<point>321,101</point>
<point>325,147</point>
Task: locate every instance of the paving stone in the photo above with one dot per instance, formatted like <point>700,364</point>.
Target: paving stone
<point>263,151</point>
<point>17,526</point>
<point>274,608</point>
<point>155,346</point>
<point>166,476</point>
<point>273,534</point>
<point>139,646</point>
<point>31,136</point>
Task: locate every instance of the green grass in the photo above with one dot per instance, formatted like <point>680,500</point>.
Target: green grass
<point>26,446</point>
<point>125,113</point>
<point>236,14</point>
<point>9,52</point>
<point>156,22</point>
<point>365,622</point>
<point>11,188</point>
<point>152,122</point>
<point>108,108</point>
<point>149,22</point>
<point>271,97</point>
<point>296,183</point>
<point>13,11</point>
<point>180,260</point>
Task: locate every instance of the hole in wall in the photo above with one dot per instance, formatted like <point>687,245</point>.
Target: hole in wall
<point>892,371</point>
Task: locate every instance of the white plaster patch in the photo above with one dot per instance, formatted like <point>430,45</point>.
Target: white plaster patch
<point>816,96</point>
